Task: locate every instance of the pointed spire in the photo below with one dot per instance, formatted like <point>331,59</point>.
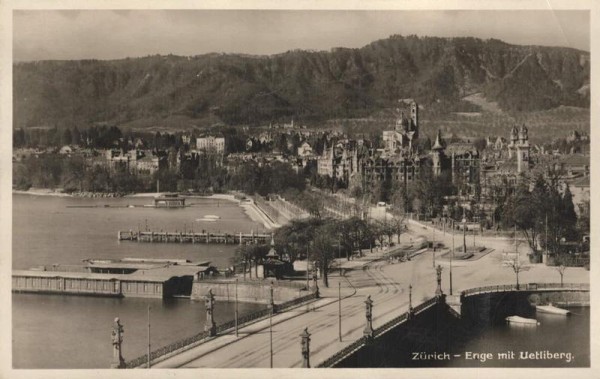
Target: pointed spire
<point>437,145</point>
<point>272,252</point>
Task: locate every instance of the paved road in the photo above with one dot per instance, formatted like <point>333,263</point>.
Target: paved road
<point>388,286</point>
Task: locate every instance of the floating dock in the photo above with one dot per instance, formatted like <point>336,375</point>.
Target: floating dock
<point>192,237</point>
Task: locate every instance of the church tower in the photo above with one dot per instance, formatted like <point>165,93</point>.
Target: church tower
<point>514,140</point>
<point>414,117</point>
<point>436,154</point>
<point>523,150</point>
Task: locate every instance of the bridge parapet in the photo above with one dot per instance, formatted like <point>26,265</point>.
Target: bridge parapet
<point>526,288</point>
<point>381,330</point>
<point>487,305</point>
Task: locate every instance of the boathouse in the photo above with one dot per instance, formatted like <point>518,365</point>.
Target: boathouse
<point>116,278</point>
<point>169,200</point>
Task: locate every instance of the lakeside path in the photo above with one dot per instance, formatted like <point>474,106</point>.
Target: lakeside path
<point>388,286</point>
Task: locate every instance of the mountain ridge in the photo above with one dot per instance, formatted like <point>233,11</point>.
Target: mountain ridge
<point>308,85</point>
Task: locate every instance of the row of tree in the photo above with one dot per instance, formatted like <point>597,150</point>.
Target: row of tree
<point>321,240</point>
<point>545,214</point>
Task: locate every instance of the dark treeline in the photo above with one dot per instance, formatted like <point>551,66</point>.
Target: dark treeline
<point>112,137</point>
<point>76,173</point>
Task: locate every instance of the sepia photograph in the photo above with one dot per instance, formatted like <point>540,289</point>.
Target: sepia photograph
<point>296,188</point>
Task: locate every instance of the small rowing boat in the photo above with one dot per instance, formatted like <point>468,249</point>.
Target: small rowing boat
<point>552,310</point>
<point>206,219</point>
<point>521,320</point>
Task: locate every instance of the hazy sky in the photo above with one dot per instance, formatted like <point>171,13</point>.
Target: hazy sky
<point>107,34</point>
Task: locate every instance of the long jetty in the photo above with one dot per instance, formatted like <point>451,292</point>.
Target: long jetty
<point>193,237</point>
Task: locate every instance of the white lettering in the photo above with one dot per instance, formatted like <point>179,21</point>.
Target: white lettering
<point>481,357</point>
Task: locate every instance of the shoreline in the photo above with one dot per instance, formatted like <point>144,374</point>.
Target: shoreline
<point>41,192</point>
<point>257,215</point>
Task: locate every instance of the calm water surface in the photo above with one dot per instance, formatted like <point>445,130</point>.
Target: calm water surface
<point>53,331</point>
<point>557,334</point>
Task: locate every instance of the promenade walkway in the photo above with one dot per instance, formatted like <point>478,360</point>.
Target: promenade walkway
<point>388,286</point>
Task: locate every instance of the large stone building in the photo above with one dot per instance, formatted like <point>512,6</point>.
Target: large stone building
<point>134,161</point>
<point>400,161</point>
<point>211,144</point>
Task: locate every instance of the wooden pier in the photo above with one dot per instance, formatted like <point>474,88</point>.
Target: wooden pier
<point>193,237</point>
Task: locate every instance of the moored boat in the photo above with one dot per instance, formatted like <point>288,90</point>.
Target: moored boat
<point>518,320</point>
<point>551,309</point>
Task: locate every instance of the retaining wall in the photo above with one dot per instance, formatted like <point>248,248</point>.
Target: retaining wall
<point>250,292</point>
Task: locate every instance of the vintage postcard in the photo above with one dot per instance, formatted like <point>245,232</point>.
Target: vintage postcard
<point>394,189</point>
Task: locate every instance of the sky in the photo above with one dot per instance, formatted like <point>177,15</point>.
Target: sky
<point>116,34</point>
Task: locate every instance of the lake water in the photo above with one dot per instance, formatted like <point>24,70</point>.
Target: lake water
<point>556,334</point>
<point>53,331</point>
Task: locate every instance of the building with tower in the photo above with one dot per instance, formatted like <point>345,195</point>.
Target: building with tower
<point>406,130</point>
<point>519,148</point>
<point>523,150</point>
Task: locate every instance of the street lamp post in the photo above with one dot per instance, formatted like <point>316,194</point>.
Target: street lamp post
<point>433,244</point>
<point>464,220</point>
<point>315,283</point>
<point>305,343</point>
<point>236,307</point>
<point>307,280</point>
<point>451,256</point>
<point>340,253</point>
<point>271,336</point>
<point>368,331</point>
<point>340,310</point>
<point>210,325</point>
<point>117,342</point>
<point>410,307</point>
<point>438,290</point>
<point>149,349</point>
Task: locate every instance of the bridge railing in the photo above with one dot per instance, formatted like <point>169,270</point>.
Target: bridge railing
<point>189,342</point>
<point>526,287</point>
<point>404,316</point>
<point>354,346</point>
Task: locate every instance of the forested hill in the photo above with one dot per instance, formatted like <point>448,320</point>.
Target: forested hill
<point>341,83</point>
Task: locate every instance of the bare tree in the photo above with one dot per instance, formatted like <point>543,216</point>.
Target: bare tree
<point>515,263</point>
<point>397,224</point>
<point>561,266</point>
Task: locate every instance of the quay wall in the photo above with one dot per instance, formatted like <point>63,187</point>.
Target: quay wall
<point>248,291</point>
